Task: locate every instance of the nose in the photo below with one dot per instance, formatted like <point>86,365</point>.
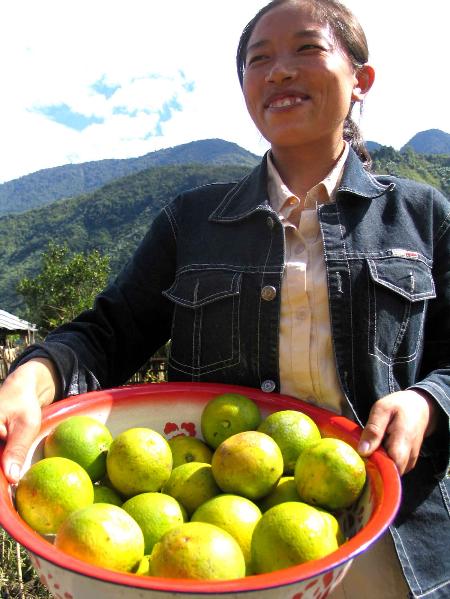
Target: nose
<point>280,71</point>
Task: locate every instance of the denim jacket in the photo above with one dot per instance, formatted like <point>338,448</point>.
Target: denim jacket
<point>208,276</point>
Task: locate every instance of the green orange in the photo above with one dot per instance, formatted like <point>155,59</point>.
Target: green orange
<point>237,515</point>
<point>191,484</point>
<point>189,449</point>
<point>248,464</point>
<point>228,414</point>
<point>139,460</point>
<point>199,551</point>
<point>51,490</point>
<point>285,490</point>
<point>156,513</point>
<point>82,439</point>
<point>289,534</point>
<point>292,431</point>
<point>104,535</point>
<point>330,474</point>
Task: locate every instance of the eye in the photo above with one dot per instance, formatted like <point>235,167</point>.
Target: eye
<point>256,58</point>
<point>309,47</point>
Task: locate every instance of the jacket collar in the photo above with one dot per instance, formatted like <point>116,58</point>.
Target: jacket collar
<point>250,194</point>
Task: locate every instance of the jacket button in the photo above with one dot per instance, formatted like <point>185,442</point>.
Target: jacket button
<point>270,222</point>
<point>268,386</point>
<point>268,293</point>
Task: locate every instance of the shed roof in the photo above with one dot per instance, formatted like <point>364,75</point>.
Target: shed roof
<point>13,323</point>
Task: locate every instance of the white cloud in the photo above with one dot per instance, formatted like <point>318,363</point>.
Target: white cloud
<point>150,49</point>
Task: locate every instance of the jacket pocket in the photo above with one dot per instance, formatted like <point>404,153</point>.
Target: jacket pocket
<point>398,292</point>
<point>205,325</point>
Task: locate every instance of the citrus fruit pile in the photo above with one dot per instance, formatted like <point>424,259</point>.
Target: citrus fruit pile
<point>255,496</point>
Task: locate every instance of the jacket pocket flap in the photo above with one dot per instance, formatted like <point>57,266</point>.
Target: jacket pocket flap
<point>196,289</point>
<point>410,278</point>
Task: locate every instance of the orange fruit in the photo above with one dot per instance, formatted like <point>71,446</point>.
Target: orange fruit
<point>330,474</point>
<point>82,439</point>
<point>189,449</point>
<point>285,490</point>
<point>51,490</point>
<point>199,551</point>
<point>156,513</point>
<point>104,535</point>
<point>292,431</point>
<point>237,515</point>
<point>228,414</point>
<point>104,494</point>
<point>248,464</point>
<point>289,534</point>
<point>191,484</point>
<point>139,460</point>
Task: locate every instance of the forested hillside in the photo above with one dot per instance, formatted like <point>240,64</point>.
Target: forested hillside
<point>71,180</point>
<point>112,220</point>
<point>433,169</point>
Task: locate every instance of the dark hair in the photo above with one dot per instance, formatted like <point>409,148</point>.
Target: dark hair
<point>348,33</point>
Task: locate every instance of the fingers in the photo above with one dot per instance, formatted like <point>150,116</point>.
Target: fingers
<point>375,429</point>
<point>21,435</point>
<point>399,421</point>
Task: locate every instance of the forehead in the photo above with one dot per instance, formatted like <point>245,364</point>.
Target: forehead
<point>288,19</point>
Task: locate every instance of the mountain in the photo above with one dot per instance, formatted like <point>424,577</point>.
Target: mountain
<point>112,219</point>
<point>71,180</point>
<point>433,141</point>
<point>433,169</point>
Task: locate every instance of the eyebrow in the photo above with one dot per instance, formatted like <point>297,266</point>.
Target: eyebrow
<point>298,34</point>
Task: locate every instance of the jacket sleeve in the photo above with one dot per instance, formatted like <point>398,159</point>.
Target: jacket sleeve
<point>129,321</point>
<point>435,368</point>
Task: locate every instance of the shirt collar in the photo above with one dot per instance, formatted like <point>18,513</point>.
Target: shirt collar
<point>323,192</point>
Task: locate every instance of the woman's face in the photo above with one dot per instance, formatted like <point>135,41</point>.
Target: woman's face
<point>298,83</point>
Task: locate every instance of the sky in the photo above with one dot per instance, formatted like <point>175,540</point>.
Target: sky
<point>96,79</point>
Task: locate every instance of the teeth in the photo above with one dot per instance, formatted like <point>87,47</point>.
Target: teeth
<point>281,103</point>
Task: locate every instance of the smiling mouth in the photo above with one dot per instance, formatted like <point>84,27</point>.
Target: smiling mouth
<point>286,102</point>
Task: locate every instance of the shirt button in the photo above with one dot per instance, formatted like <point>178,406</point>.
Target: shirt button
<point>268,293</point>
<point>269,222</point>
<point>299,248</point>
<point>268,386</point>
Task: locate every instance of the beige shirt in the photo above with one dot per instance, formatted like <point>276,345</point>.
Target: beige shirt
<point>307,366</point>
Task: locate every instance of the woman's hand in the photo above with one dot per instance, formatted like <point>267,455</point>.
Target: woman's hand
<point>400,421</point>
<point>22,395</point>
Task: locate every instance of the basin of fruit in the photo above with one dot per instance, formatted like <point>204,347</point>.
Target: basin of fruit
<point>175,410</point>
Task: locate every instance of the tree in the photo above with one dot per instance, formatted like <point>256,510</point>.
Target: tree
<point>67,284</point>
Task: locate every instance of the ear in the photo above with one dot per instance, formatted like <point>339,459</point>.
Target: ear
<point>364,78</point>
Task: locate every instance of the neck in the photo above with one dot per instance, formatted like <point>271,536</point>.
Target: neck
<point>301,169</point>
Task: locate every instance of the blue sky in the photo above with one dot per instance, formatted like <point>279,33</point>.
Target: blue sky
<point>97,79</point>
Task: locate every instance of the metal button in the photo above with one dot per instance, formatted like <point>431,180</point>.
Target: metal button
<point>268,386</point>
<point>268,293</point>
<point>269,222</point>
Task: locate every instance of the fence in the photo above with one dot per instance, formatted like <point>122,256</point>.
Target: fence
<point>153,371</point>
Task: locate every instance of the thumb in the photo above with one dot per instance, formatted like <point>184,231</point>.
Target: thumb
<point>18,442</point>
<point>375,429</point>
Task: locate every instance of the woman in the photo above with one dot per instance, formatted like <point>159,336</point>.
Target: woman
<point>310,276</point>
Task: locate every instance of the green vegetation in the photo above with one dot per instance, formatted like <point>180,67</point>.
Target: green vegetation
<point>17,576</point>
<point>433,169</point>
<point>71,180</point>
<point>114,218</point>
<point>111,220</point>
<point>66,285</point>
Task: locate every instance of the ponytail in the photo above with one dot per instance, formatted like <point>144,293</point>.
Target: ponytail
<point>353,136</point>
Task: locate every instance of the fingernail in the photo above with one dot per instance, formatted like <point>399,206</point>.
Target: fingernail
<point>14,472</point>
<point>364,447</point>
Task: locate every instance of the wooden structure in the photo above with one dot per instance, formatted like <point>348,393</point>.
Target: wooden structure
<point>11,325</point>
